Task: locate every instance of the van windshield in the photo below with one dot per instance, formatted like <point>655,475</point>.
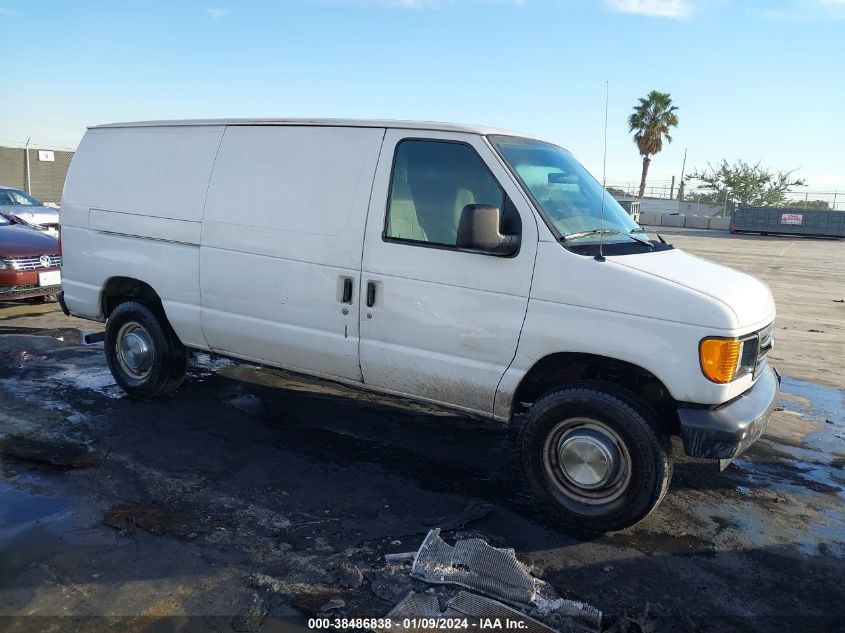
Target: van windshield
<point>566,194</point>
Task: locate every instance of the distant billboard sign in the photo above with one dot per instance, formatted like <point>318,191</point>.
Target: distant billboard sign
<point>791,218</point>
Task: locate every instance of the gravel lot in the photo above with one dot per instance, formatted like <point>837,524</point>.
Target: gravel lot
<point>254,493</point>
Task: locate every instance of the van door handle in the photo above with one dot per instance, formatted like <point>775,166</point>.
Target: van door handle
<point>347,291</point>
<point>371,294</point>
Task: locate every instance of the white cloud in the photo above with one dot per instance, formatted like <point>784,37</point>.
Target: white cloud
<point>675,9</point>
<point>217,13</point>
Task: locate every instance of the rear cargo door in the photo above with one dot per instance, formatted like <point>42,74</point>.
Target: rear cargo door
<point>282,234</point>
<point>438,323</point>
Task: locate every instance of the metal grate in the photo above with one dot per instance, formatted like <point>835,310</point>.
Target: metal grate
<point>420,613</point>
<point>766,340</point>
<point>474,564</point>
<point>34,262</point>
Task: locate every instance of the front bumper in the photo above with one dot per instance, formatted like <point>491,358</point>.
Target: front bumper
<point>23,284</point>
<point>726,432</point>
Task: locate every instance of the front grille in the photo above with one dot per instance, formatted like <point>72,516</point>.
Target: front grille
<point>34,262</point>
<point>766,338</point>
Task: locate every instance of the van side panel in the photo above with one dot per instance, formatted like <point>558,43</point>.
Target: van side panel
<point>283,228</point>
<point>161,172</point>
<point>132,207</point>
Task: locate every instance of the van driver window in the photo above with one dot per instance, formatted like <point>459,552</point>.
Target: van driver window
<point>432,182</point>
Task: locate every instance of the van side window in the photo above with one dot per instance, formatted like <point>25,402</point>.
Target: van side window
<point>432,182</point>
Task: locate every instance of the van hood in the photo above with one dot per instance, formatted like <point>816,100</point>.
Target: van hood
<point>748,298</point>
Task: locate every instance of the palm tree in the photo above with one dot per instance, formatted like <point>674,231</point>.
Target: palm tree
<point>650,122</point>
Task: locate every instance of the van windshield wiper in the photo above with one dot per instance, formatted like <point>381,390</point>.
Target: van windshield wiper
<point>580,234</point>
<point>639,239</point>
<point>642,230</point>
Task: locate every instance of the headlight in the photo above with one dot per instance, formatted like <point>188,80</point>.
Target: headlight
<point>719,358</point>
<point>725,359</point>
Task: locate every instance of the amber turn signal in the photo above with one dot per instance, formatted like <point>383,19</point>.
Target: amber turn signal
<point>719,358</point>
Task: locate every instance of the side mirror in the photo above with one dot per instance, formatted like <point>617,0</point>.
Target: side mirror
<point>478,230</point>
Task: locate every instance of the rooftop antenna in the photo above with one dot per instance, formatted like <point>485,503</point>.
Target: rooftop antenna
<point>600,256</point>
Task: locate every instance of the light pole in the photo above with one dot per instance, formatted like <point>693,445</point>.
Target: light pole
<point>26,162</point>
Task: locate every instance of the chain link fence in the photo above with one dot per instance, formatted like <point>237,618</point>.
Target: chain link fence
<point>667,190</point>
<point>39,171</point>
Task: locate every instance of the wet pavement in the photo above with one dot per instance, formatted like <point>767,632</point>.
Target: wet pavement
<point>253,498</point>
<point>250,470</point>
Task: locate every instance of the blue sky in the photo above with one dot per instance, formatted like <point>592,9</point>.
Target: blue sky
<point>753,79</point>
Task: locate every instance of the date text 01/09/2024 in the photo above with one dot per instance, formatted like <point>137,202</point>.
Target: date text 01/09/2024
<point>418,623</point>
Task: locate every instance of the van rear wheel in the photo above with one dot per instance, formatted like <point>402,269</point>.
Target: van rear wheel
<point>143,352</point>
<point>595,457</point>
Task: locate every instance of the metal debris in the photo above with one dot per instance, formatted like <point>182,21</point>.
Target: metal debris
<point>467,605</point>
<point>401,557</point>
<point>478,607</point>
<point>497,573</point>
<point>416,605</point>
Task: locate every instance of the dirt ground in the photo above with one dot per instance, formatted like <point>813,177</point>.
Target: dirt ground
<point>252,499</point>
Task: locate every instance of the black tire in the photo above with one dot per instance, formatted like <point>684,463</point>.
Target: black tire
<point>603,420</point>
<point>166,358</point>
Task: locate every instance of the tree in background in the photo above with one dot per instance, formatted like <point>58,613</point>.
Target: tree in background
<point>651,121</point>
<point>818,205</point>
<point>744,184</point>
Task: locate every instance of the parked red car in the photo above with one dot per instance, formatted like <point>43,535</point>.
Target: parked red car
<point>29,262</point>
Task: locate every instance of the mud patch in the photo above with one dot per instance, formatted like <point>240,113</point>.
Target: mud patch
<point>56,452</point>
<point>158,520</point>
<point>661,543</point>
<point>68,336</point>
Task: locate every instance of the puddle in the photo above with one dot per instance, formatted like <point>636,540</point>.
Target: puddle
<point>825,403</point>
<point>23,509</point>
<point>753,527</point>
<point>203,364</point>
<point>820,473</point>
<point>822,404</point>
<point>97,379</point>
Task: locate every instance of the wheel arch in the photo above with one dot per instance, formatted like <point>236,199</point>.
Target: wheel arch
<point>559,369</point>
<point>118,289</point>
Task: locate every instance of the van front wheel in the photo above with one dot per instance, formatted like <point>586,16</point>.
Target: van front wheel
<point>595,457</point>
<point>143,352</point>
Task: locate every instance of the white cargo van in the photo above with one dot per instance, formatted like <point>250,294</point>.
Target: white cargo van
<point>473,268</point>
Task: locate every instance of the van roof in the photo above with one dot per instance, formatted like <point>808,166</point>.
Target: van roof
<point>386,123</point>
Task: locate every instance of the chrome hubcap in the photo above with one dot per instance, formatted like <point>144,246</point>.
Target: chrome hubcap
<point>587,461</point>
<point>135,350</point>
